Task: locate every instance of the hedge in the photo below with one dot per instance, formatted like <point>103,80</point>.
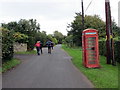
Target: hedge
<point>102,49</point>
<point>7,44</point>
<point>117,51</point>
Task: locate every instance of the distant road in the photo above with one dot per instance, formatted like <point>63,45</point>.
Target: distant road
<point>46,71</point>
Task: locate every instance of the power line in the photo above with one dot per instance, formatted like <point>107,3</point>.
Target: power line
<point>88,5</point>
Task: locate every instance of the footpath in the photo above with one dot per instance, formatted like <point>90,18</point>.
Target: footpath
<point>45,71</point>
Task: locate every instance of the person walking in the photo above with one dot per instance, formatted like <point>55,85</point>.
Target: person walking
<point>37,45</point>
<point>48,43</point>
<point>52,45</point>
<point>41,45</point>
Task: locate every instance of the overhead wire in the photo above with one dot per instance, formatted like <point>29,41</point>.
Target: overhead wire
<point>88,5</point>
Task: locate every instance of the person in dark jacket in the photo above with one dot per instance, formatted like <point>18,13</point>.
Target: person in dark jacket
<point>48,43</point>
<point>41,45</point>
<point>37,45</point>
<point>52,45</point>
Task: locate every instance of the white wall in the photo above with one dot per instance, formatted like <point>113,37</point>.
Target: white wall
<point>20,47</point>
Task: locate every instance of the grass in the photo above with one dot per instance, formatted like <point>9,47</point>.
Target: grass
<point>104,77</point>
<point>10,64</point>
<point>27,52</point>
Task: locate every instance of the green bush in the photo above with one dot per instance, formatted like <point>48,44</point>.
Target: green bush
<point>7,44</point>
<point>117,50</point>
<point>102,49</point>
<point>20,38</point>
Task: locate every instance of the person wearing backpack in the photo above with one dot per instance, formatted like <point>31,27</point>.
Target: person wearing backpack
<point>37,45</point>
<point>48,43</point>
<point>41,45</point>
<point>52,45</point>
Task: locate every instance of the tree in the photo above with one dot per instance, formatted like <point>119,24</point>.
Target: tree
<point>55,40</point>
<point>59,36</point>
<point>20,38</point>
<point>11,26</point>
<point>90,22</point>
<point>115,29</point>
<point>69,40</point>
<point>76,30</point>
<point>50,37</point>
<point>28,27</point>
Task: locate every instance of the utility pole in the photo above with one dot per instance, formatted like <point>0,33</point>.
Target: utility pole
<point>82,14</point>
<point>109,34</point>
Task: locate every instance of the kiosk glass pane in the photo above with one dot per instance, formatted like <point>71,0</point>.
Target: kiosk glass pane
<point>91,38</point>
<point>92,62</point>
<point>91,41</point>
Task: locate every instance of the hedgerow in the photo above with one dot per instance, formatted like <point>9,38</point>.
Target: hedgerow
<point>7,44</point>
<point>102,49</point>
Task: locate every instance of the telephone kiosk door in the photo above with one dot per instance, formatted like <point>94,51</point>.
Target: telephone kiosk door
<point>90,48</point>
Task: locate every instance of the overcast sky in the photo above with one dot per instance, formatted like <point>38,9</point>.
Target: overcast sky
<point>52,14</point>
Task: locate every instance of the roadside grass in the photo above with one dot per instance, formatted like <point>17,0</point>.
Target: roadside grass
<point>104,77</point>
<point>27,52</point>
<point>10,64</point>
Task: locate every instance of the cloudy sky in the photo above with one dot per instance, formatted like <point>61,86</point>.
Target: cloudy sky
<point>52,14</point>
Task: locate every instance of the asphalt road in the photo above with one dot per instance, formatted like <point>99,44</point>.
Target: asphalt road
<point>46,71</point>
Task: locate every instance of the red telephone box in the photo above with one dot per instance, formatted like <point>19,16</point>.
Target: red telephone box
<point>90,48</point>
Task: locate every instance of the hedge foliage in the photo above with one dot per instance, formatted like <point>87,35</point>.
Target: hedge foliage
<point>117,51</point>
<point>7,44</point>
<point>102,49</point>
<point>20,38</point>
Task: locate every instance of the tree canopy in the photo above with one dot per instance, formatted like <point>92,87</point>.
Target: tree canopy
<point>59,36</point>
<point>90,22</point>
<point>28,31</point>
<point>24,31</point>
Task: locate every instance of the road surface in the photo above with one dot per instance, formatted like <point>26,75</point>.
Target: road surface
<point>46,71</point>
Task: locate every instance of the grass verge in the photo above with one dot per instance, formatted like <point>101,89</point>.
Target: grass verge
<point>104,77</point>
<point>10,64</point>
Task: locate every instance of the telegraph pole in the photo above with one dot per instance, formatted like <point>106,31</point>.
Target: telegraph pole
<point>111,38</point>
<point>109,34</point>
<point>82,14</point>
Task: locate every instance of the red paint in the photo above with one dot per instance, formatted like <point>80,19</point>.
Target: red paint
<point>90,48</point>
